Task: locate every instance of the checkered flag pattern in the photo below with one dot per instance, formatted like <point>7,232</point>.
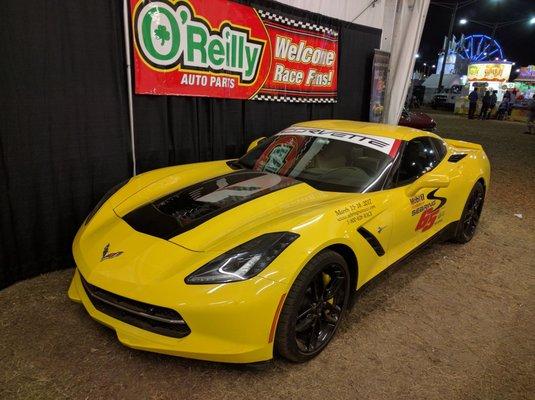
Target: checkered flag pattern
<point>297,24</point>
<point>292,99</point>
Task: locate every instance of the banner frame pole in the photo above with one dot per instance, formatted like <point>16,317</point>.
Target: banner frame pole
<point>126,19</point>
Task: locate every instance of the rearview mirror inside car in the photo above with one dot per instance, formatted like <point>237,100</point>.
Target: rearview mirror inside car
<point>428,180</point>
<point>255,143</point>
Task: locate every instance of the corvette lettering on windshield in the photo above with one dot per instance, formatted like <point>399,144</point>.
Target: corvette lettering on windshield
<point>383,144</point>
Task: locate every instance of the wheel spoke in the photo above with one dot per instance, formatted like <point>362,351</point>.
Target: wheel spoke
<point>313,337</point>
<point>318,287</point>
<point>304,313</point>
<point>468,219</point>
<point>334,287</point>
<point>473,212</point>
<point>332,308</point>
<point>304,325</point>
<point>331,313</point>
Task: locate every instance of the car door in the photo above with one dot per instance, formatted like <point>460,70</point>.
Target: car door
<point>416,216</point>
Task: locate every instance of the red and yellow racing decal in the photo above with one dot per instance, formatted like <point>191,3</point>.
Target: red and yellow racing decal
<point>429,213</point>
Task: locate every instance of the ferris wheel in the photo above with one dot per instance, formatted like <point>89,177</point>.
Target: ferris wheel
<point>480,48</point>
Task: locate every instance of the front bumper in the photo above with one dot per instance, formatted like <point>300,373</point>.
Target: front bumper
<point>234,323</point>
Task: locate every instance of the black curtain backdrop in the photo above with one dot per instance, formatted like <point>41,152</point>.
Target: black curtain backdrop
<point>64,135</point>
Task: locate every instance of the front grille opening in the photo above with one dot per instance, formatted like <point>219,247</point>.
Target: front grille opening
<point>161,320</point>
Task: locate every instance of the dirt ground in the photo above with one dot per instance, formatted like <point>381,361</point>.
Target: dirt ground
<point>453,322</point>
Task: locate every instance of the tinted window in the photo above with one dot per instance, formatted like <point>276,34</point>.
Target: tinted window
<point>419,156</point>
<point>324,163</point>
<point>440,147</point>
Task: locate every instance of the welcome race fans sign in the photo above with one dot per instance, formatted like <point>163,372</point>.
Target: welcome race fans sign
<point>220,48</point>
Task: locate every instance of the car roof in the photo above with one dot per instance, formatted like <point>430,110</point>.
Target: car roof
<point>367,128</point>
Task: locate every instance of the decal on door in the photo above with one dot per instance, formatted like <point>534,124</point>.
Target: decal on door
<point>355,212</point>
<point>430,213</point>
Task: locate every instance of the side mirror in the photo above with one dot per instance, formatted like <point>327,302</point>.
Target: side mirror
<point>255,143</point>
<point>429,180</point>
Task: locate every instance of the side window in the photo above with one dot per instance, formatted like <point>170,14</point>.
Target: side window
<point>440,147</point>
<point>419,156</point>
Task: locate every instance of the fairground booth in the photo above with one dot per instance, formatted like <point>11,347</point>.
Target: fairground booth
<point>491,76</point>
<point>524,88</point>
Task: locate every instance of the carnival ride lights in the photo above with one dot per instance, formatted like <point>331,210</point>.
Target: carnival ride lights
<point>480,48</point>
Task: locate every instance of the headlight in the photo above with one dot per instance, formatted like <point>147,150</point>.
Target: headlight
<point>108,194</point>
<point>243,262</point>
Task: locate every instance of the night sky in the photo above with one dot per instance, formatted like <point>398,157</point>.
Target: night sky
<point>517,41</point>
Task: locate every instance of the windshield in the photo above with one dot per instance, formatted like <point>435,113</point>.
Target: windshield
<point>327,160</point>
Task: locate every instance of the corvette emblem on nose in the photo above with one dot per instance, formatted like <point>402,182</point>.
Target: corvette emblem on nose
<point>106,255</point>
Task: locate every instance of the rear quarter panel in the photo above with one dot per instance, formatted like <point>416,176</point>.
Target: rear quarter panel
<point>473,167</point>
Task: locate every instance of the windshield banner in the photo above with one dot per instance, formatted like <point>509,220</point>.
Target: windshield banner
<point>383,144</point>
<point>219,48</point>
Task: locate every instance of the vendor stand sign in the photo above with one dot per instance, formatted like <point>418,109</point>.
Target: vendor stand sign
<point>489,72</point>
<point>219,48</point>
<point>527,74</point>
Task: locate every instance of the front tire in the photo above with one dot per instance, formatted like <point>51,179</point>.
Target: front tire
<point>467,225</point>
<point>313,308</point>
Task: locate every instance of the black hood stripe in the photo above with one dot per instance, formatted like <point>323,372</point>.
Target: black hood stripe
<point>187,208</point>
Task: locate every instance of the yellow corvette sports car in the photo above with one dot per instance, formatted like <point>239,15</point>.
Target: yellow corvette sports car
<point>238,260</point>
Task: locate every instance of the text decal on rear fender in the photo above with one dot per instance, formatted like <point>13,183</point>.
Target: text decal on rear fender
<point>429,215</point>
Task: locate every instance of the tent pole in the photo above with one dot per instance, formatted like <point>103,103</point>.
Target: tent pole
<point>126,19</point>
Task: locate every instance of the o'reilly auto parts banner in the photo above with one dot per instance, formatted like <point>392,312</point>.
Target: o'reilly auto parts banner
<point>219,48</point>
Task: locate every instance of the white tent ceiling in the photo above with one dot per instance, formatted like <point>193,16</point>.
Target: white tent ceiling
<point>374,13</point>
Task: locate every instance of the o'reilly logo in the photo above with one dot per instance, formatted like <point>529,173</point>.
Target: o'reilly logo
<point>169,34</point>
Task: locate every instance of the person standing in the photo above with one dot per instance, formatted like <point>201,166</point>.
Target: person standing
<point>512,100</point>
<point>502,108</point>
<point>492,104</point>
<point>531,116</point>
<point>472,98</point>
<point>485,106</point>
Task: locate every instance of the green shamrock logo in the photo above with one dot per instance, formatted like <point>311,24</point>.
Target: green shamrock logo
<point>162,33</point>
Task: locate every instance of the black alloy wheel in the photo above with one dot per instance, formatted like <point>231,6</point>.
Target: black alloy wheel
<point>471,214</point>
<point>314,307</point>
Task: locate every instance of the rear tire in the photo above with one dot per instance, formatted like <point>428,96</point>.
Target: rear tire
<point>466,228</point>
<point>313,308</point>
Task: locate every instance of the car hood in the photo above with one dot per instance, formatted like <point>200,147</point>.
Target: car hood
<point>212,213</point>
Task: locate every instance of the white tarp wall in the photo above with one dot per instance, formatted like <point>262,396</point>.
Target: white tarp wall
<point>401,22</point>
<point>408,26</point>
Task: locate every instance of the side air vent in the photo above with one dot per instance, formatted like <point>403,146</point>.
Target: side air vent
<point>372,240</point>
<point>456,157</point>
